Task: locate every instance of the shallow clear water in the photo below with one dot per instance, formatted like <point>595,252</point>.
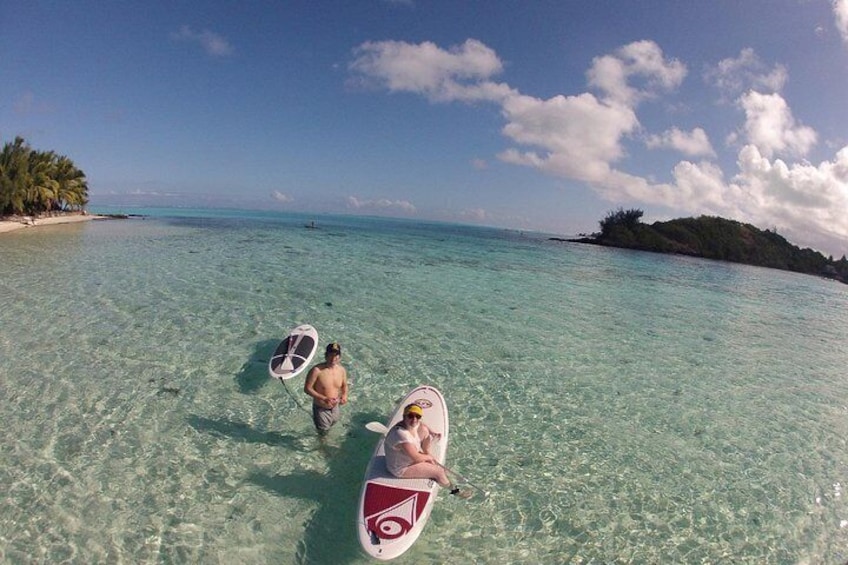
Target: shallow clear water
<point>620,406</point>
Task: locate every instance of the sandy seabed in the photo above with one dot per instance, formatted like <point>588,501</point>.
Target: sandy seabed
<point>8,224</point>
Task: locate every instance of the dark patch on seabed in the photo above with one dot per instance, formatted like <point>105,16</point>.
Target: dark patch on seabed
<point>165,390</point>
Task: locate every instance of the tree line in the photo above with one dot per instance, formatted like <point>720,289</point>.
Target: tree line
<point>36,182</point>
<point>714,238</point>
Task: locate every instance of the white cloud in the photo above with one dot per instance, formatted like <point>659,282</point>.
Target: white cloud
<point>733,76</point>
<point>699,188</point>
<point>459,73</point>
<point>770,126</point>
<point>581,137</point>
<point>574,136</point>
<point>840,12</point>
<point>613,74</point>
<point>809,200</point>
<point>479,164</point>
<point>694,143</point>
<point>214,44</point>
<point>381,205</point>
<point>280,197</point>
<point>806,202</point>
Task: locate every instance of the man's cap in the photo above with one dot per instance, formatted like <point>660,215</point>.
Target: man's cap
<point>413,409</point>
<point>334,348</point>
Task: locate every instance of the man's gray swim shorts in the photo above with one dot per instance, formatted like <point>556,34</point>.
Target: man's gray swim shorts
<point>324,418</point>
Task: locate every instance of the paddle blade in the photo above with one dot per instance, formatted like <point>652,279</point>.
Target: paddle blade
<point>376,427</point>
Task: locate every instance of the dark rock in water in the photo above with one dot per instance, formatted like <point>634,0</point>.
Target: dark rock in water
<point>328,304</point>
<point>169,390</point>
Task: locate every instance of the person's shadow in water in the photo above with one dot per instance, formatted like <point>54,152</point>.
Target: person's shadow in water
<point>239,431</point>
<point>330,534</point>
<point>253,375</point>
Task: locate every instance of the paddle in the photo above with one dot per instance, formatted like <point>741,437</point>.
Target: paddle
<point>379,428</point>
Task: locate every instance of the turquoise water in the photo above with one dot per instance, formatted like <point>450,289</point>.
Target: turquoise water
<point>621,407</point>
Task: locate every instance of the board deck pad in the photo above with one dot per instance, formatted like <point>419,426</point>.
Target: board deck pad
<point>294,353</point>
<point>392,512</point>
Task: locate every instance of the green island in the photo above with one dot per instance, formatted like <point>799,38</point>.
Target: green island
<point>712,237</point>
<point>37,183</point>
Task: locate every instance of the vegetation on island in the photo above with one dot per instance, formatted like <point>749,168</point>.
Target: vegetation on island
<point>34,183</point>
<point>712,237</point>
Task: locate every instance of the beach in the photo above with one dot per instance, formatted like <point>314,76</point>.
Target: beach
<point>8,224</point>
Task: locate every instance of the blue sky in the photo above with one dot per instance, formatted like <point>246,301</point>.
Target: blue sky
<point>529,115</point>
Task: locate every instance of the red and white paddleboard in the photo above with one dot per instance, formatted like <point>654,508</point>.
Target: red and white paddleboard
<point>392,512</point>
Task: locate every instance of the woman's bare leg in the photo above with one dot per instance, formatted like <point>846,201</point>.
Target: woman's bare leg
<point>427,471</point>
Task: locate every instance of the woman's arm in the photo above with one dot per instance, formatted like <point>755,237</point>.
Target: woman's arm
<point>427,438</point>
<point>416,455</point>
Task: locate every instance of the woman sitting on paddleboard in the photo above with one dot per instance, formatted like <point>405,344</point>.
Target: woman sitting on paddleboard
<point>407,451</point>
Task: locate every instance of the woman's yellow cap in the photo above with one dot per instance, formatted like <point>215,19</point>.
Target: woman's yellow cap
<point>413,409</point>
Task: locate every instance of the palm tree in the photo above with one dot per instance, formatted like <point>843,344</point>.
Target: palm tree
<point>43,189</point>
<point>73,186</point>
<point>14,169</point>
<point>33,182</point>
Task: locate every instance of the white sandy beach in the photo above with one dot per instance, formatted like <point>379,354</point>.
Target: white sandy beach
<point>11,224</point>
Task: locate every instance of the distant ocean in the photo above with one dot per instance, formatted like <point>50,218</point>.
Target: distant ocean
<point>621,407</point>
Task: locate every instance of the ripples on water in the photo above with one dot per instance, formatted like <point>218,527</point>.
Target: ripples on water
<point>620,406</point>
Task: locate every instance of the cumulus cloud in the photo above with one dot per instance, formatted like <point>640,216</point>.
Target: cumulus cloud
<point>459,73</point>
<point>807,202</point>
<point>770,126</point>
<point>694,143</point>
<point>811,200</point>
<point>381,205</point>
<point>575,136</point>
<point>733,76</point>
<point>582,136</point>
<point>280,197</point>
<point>214,44</point>
<point>644,60</point>
<point>840,12</point>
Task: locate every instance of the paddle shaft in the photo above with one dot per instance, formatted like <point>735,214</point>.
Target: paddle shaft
<point>463,479</point>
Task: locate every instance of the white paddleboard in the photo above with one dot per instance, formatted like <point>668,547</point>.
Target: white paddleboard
<point>294,353</point>
<point>392,512</point>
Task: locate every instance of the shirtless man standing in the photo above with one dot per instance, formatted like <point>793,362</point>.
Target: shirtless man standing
<point>327,385</point>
